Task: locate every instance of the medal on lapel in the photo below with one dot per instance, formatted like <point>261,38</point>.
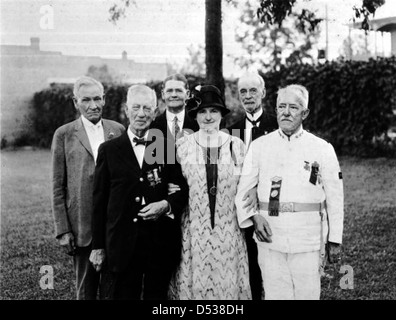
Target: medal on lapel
<point>314,173</point>
<point>273,206</point>
<point>157,178</point>
<point>150,178</point>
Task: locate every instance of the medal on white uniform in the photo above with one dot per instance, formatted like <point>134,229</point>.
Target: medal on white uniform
<point>273,206</point>
<point>314,173</point>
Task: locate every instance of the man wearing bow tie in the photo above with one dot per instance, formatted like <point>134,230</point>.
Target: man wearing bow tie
<point>256,123</point>
<point>74,152</point>
<point>136,226</point>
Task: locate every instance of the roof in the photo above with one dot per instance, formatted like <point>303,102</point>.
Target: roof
<point>383,25</point>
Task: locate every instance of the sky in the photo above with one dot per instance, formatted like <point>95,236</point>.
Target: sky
<point>153,31</point>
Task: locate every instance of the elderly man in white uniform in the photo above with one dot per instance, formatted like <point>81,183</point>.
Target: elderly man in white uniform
<point>300,194</point>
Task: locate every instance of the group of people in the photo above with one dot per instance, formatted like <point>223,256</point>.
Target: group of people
<point>177,207</point>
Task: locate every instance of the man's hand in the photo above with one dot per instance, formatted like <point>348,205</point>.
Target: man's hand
<point>250,199</point>
<point>67,242</point>
<point>333,252</point>
<point>262,228</point>
<point>154,210</point>
<point>172,188</point>
<point>97,258</point>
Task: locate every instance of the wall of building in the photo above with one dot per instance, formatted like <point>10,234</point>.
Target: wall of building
<point>26,70</point>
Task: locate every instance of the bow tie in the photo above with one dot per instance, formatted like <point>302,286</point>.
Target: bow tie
<point>253,122</point>
<point>139,141</point>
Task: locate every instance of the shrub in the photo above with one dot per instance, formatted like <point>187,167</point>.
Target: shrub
<point>350,103</point>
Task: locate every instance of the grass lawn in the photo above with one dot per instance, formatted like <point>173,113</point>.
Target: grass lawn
<point>27,241</point>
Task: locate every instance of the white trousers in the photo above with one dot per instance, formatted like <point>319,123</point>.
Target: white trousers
<point>290,276</point>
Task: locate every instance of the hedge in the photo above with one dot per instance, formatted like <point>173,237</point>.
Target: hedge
<point>350,103</point>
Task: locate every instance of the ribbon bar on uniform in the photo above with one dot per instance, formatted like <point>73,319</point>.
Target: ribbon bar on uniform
<point>294,206</point>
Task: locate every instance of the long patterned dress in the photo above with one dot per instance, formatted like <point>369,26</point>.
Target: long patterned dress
<point>214,263</point>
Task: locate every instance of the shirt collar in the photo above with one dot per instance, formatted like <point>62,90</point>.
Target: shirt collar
<point>131,136</point>
<point>180,116</point>
<point>294,136</point>
<point>255,116</point>
<point>89,124</point>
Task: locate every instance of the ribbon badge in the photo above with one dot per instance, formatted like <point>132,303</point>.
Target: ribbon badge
<point>153,176</point>
<point>314,173</point>
<point>273,206</point>
<point>150,178</point>
<point>306,166</point>
<point>157,178</point>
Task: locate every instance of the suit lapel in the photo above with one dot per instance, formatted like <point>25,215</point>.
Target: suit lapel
<point>189,123</point>
<point>263,124</point>
<point>162,123</point>
<point>82,136</point>
<point>108,133</point>
<point>150,152</point>
<point>127,154</point>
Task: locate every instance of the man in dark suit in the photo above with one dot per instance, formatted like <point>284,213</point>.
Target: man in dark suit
<point>256,123</point>
<point>175,120</point>
<point>74,151</point>
<point>136,225</point>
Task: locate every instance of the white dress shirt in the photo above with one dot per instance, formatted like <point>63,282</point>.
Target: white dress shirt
<point>170,119</point>
<point>249,125</point>
<point>95,134</point>
<point>138,149</point>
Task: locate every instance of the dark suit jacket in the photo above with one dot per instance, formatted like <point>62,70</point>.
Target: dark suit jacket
<point>119,186</point>
<point>72,174</point>
<point>161,124</point>
<point>268,123</point>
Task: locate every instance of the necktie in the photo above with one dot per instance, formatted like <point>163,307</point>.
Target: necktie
<point>139,141</point>
<point>176,128</point>
<point>255,129</point>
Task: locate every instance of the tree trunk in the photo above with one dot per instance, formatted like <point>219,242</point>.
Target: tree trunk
<point>214,44</point>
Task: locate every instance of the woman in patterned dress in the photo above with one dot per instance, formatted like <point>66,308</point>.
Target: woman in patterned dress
<point>214,262</point>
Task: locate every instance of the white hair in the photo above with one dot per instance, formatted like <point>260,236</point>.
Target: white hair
<point>249,75</point>
<point>86,81</point>
<point>141,88</point>
<point>300,91</point>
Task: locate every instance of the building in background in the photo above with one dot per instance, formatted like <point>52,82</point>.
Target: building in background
<point>381,30</point>
<point>26,70</point>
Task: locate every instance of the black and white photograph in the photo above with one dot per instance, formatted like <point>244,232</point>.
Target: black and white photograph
<point>219,152</point>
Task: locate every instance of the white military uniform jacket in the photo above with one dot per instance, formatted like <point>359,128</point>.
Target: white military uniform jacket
<point>290,158</point>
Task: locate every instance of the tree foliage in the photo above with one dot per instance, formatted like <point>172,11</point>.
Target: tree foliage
<point>276,11</point>
<point>270,45</point>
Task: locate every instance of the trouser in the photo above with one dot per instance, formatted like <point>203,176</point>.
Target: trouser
<point>147,275</point>
<point>87,279</point>
<point>256,281</point>
<point>290,276</point>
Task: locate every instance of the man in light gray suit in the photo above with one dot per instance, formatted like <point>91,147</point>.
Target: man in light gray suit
<point>74,151</point>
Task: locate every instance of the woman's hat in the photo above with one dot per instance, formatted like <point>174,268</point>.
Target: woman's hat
<point>204,97</point>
